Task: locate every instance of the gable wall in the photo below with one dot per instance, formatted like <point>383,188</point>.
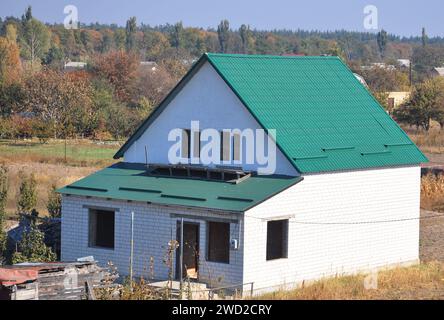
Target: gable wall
<point>207,98</point>
<point>316,250</point>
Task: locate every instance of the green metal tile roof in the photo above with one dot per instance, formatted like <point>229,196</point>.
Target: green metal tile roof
<point>325,119</point>
<point>125,181</point>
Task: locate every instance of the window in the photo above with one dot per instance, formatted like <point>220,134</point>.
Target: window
<point>196,144</point>
<point>236,146</point>
<point>186,137</point>
<point>277,239</point>
<point>225,146</point>
<point>101,228</point>
<point>218,242</point>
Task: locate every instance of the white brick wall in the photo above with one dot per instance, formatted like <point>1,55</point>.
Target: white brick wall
<point>153,228</point>
<point>315,251</point>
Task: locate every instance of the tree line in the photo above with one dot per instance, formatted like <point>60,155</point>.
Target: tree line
<point>109,98</point>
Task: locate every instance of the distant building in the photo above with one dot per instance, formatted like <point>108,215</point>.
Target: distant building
<point>396,98</point>
<point>74,65</point>
<point>381,65</point>
<point>438,72</point>
<point>149,65</point>
<point>361,79</point>
<point>404,63</point>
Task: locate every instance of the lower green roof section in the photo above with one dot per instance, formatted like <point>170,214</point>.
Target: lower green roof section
<point>130,181</point>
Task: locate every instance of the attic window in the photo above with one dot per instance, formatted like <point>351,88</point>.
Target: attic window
<point>236,146</point>
<point>225,138</point>
<point>186,143</point>
<point>277,239</point>
<point>101,228</point>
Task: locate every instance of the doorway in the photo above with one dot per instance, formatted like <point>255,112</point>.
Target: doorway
<point>190,250</point>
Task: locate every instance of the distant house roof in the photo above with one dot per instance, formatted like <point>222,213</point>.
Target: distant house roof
<point>440,71</point>
<point>125,181</point>
<point>325,119</point>
<point>381,65</point>
<point>361,79</point>
<point>404,62</point>
<point>149,64</point>
<point>75,65</point>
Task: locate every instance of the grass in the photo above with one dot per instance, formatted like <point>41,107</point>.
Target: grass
<point>47,162</point>
<point>424,281</point>
<point>78,152</point>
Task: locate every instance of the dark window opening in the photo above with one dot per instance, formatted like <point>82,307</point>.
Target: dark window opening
<point>225,145</point>
<point>101,228</point>
<point>277,239</point>
<point>196,144</point>
<point>236,147</point>
<point>186,142</point>
<point>218,244</point>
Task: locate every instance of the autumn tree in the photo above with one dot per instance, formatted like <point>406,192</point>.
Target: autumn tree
<point>10,66</point>
<point>120,69</point>
<point>223,33</point>
<point>63,100</point>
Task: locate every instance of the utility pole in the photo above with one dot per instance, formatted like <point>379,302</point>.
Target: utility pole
<point>132,249</point>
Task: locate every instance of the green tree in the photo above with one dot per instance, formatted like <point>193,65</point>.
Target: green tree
<point>27,198</point>
<point>177,35</point>
<point>424,38</point>
<point>35,40</point>
<point>425,104</point>
<point>245,33</point>
<point>54,204</point>
<point>223,33</point>
<point>382,40</point>
<point>130,30</point>
<point>32,248</point>
<point>3,199</point>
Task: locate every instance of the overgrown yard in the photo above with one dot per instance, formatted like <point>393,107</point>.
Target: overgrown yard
<point>47,162</point>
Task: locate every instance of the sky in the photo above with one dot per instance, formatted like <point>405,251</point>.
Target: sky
<point>404,18</point>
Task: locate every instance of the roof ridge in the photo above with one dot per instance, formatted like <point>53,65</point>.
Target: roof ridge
<point>267,56</point>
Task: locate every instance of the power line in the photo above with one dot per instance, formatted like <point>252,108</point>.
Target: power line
<point>355,222</point>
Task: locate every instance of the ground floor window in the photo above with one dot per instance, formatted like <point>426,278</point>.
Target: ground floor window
<point>101,228</point>
<point>218,242</point>
<point>277,239</point>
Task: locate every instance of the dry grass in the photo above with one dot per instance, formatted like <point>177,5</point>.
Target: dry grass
<point>46,175</point>
<point>47,162</point>
<point>428,142</point>
<point>432,192</point>
<point>425,281</point>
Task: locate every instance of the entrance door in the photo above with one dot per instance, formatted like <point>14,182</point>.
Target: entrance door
<point>190,250</point>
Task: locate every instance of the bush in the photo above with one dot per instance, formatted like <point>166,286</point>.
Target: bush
<point>54,205</point>
<point>32,248</point>
<point>27,194</point>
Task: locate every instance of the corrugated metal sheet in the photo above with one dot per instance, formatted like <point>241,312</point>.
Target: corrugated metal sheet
<point>325,119</point>
<point>125,181</point>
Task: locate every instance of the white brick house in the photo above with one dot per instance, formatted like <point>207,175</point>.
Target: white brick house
<point>343,198</point>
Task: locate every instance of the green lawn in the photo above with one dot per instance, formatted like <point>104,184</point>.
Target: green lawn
<point>77,151</point>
